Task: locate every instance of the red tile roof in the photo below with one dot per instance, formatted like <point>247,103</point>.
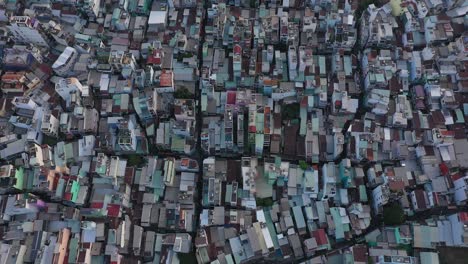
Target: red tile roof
<point>444,170</point>
<point>397,185</point>
<point>360,253</point>
<point>155,57</point>
<point>67,196</point>
<point>97,205</point>
<point>165,80</point>
<point>237,49</point>
<point>456,176</point>
<point>320,237</point>
<point>113,210</point>
<point>463,216</point>
<point>231,98</point>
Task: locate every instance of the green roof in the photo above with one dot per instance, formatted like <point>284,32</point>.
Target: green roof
<point>339,228</point>
<point>116,14</point>
<point>132,5</point>
<point>380,77</point>
<point>460,118</point>
<point>204,102</point>
<point>262,12</point>
<point>259,121</point>
<point>193,29</point>
<point>228,193</point>
<point>111,238</point>
<point>397,234</point>
<point>230,84</point>
<point>429,257</point>
<point>68,150</point>
<point>277,161</point>
<point>259,141</point>
<point>248,81</point>
<point>97,259</point>
<point>298,217</point>
<point>73,250</point>
<point>299,77</point>
<point>271,228</point>
<point>19,176</point>
<point>177,144</point>
<point>363,193</point>
<point>363,144</point>
<point>158,184</point>
<point>75,190</point>
<point>279,182</point>
<point>322,65</point>
<point>347,65</point>
<point>60,187</point>
<point>83,37</point>
<point>303,115</point>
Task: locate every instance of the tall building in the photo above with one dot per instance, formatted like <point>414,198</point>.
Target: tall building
<point>25,30</point>
<point>65,87</point>
<point>237,60</point>
<point>50,124</point>
<point>126,135</point>
<point>91,7</point>
<point>64,64</point>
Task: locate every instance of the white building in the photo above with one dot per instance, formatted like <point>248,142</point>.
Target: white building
<point>86,146</point>
<point>380,196</point>
<point>416,66</point>
<point>166,82</point>
<point>64,64</point>
<point>91,7</point>
<point>116,167</point>
<point>459,228</point>
<point>24,105</point>
<point>50,125</point>
<point>127,137</point>
<point>40,156</point>
<point>292,62</point>
<point>157,21</point>
<point>338,139</point>
<point>461,190</point>
<point>68,86</point>
<point>25,31</point>
<point>329,181</point>
<point>122,61</point>
<point>311,183</point>
<point>237,60</point>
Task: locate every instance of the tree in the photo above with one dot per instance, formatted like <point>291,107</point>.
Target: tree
<point>183,93</point>
<point>51,141</point>
<point>290,111</point>
<point>187,257</point>
<point>283,47</point>
<point>303,165</point>
<point>135,160</point>
<point>264,202</point>
<point>253,3</point>
<point>393,214</point>
<point>363,4</point>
